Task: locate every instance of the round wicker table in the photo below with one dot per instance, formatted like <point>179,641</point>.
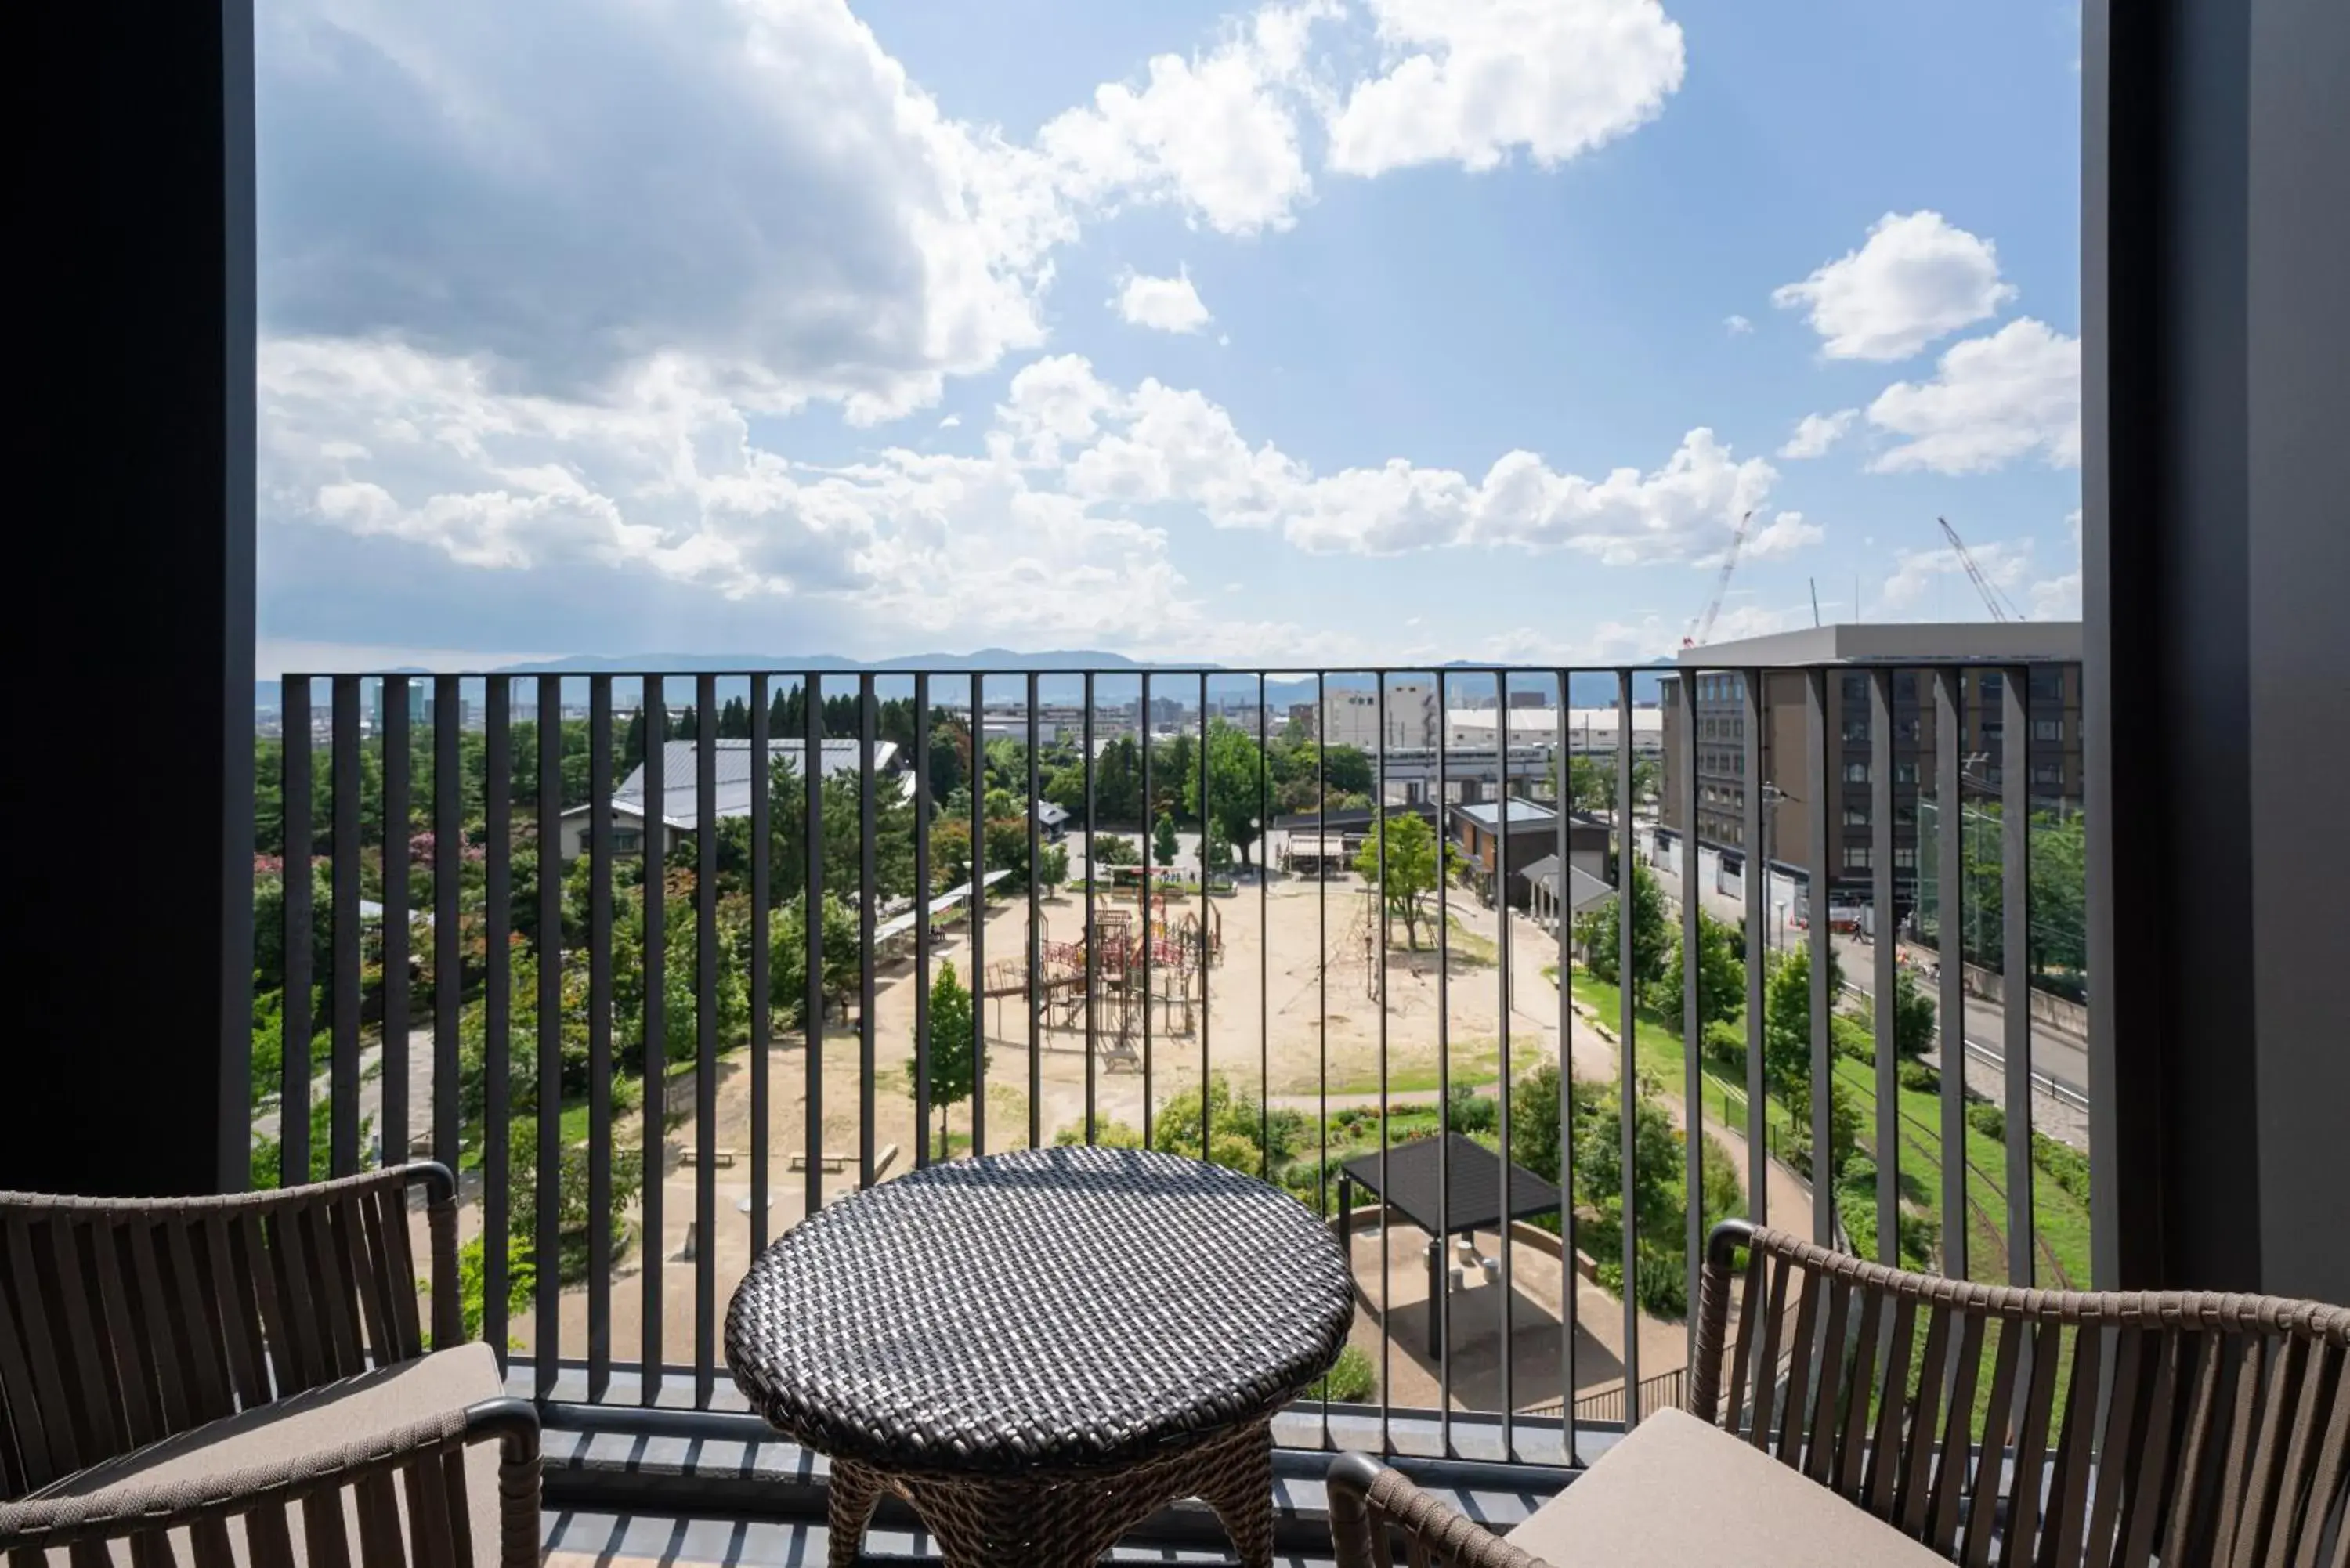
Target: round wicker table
<point>1037,1351</point>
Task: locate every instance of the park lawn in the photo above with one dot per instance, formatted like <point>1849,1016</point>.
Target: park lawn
<point>1475,1063</point>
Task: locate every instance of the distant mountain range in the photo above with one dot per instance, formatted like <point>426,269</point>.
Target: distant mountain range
<point>1586,689</point>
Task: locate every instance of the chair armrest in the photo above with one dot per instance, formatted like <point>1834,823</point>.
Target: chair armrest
<point>1368,1502</point>
<point>131,1508</point>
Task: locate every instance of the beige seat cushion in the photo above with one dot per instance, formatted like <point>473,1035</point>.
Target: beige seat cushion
<point>1679,1493</point>
<point>328,1417</point>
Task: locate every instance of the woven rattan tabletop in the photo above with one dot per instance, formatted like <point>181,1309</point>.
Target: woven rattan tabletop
<point>1059,1309</point>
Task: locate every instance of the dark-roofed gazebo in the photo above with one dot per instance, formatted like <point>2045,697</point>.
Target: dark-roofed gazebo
<point>1407,1178</point>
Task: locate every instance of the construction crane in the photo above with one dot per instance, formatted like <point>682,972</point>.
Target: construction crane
<point>2002,608</point>
<point>1702,628</point>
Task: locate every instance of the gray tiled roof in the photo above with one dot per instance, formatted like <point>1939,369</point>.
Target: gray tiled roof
<point>681,795</point>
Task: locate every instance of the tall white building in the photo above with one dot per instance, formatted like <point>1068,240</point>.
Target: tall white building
<point>1351,718</point>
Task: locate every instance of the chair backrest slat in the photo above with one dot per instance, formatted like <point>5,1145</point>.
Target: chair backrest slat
<point>2330,1476</point>
<point>1799,1375</point>
<point>1766,1352</point>
<point>1991,1465</point>
<point>1893,1403</point>
<point>2043,1347</point>
<point>95,1409</point>
<point>1819,1444</point>
<point>1908,1507</point>
<point>233,1286</point>
<point>2076,1456</point>
<point>197,1322</point>
<point>2117,1429</point>
<point>2196,1469</point>
<point>1950,1467</point>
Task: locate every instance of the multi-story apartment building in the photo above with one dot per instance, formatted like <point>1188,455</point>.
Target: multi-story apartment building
<point>2049,652</point>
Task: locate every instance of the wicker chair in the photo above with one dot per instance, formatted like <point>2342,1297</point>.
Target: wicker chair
<point>176,1374</point>
<point>2225,1439</point>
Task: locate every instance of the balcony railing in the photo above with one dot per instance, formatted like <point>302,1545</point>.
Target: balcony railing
<point>644,957</point>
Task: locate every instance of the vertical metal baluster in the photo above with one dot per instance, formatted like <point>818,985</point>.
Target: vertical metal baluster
<point>1822,954</point>
<point>653,1037</point>
<point>497,1004</point>
<point>812,929</point>
<point>546,1346</point>
<point>1758,915</point>
<point>1950,958</point>
<point>1380,943</point>
<point>392,1131</point>
<point>869,781</point>
<point>1322,936</point>
<point>1628,1039</point>
<point>1501,963</point>
<point>1150,887</point>
<point>599,1036</point>
<point>923,922</point>
<point>1885,976</point>
<point>705,1038</point>
<point>448,954</point>
<point>1093,838</point>
<point>343,1145</point>
<point>763,1015</point>
<point>1439,1278</point>
<point>2015,961</point>
<point>1568,1280</point>
<point>294,1001</point>
<point>1692,1025</point>
<point>978,915</point>
<point>1206,819</point>
<point>1264,948</point>
<point>1035,943</point>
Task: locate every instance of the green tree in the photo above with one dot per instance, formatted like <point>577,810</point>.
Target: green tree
<point>1720,974</point>
<point>1242,1134</point>
<point>1118,781</point>
<point>1347,770</point>
<point>1113,849</point>
<point>1164,847</point>
<point>1590,785</point>
<point>1053,867</point>
<point>1236,779</point>
<point>953,1052</point>
<point>787,958</point>
<point>1411,864</point>
<point>1652,934</point>
<point>1656,1163</point>
<point>1913,1015</point>
<point>1787,1018</point>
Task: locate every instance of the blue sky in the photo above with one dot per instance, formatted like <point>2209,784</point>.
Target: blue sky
<point>1385,330</point>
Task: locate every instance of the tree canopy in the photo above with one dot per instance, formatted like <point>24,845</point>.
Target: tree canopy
<point>1236,785</point>
<point>1413,866</point>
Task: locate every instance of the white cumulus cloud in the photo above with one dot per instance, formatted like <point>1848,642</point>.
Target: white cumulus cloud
<point>2004,563</point>
<point>2059,597</point>
<point>1915,278</point>
<point>1992,399</point>
<point>1216,133</point>
<point>1815,433</point>
<point>1737,326</point>
<point>1471,81</point>
<point>1163,304</point>
<point>1785,534</point>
